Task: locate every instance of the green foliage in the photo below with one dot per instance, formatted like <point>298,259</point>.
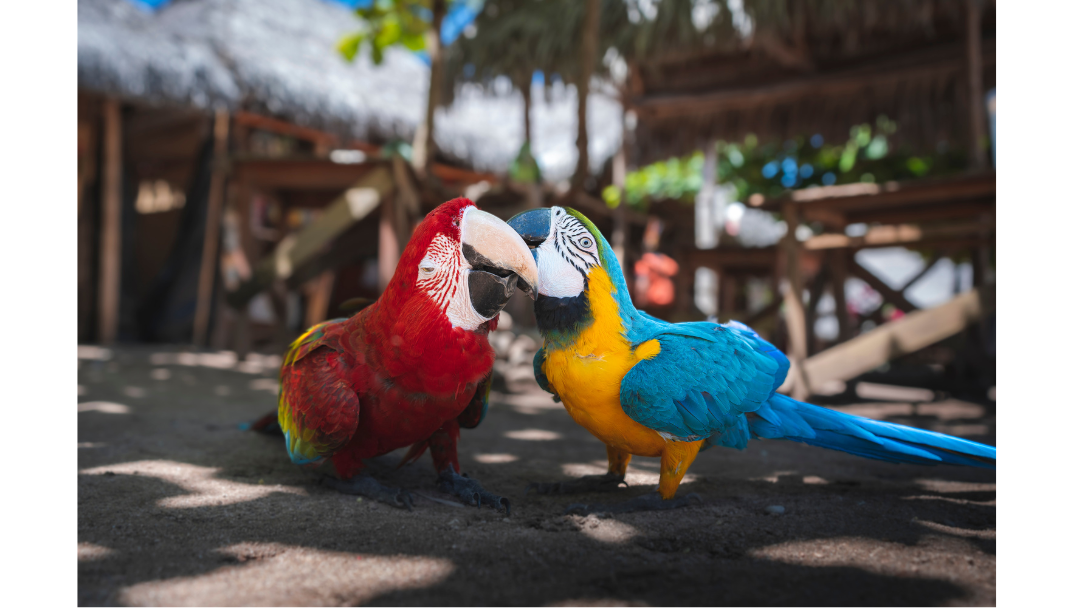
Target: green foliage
<point>770,169</point>
<point>516,38</point>
<point>386,23</point>
<point>524,168</point>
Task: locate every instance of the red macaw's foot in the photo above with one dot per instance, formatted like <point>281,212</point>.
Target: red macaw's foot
<point>588,483</point>
<point>648,502</point>
<point>469,491</point>
<point>366,486</point>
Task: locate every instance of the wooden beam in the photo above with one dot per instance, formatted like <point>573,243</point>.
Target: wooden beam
<point>890,295</point>
<point>863,197</point>
<point>281,127</point>
<point>351,206</point>
<point>924,63</point>
<point>971,210</point>
<point>212,230</point>
<point>922,273</point>
<point>299,174</point>
<point>897,338</point>
<point>904,234</point>
<point>111,208</point>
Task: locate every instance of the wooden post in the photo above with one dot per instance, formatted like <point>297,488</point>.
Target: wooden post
<point>407,201</point>
<point>976,109</point>
<point>705,236</point>
<point>837,261</point>
<point>817,289</point>
<point>424,139</point>
<point>318,292</point>
<point>729,292</point>
<point>111,207</point>
<point>794,313</point>
<point>590,41</point>
<point>389,252</point>
<point>208,268</point>
<point>618,179</point>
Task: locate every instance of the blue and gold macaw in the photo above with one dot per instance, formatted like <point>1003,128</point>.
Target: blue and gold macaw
<point>647,387</point>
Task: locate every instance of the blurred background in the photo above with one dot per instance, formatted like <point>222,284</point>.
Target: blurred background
<point>822,170</point>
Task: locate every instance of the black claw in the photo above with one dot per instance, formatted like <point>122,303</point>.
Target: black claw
<point>365,485</point>
<point>576,508</point>
<point>469,491</point>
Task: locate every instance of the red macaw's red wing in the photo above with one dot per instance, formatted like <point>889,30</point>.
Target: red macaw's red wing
<point>318,410</point>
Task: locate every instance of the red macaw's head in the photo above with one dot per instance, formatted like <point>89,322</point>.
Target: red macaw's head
<point>464,263</point>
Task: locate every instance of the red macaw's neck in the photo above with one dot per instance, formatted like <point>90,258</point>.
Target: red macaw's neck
<point>411,344</point>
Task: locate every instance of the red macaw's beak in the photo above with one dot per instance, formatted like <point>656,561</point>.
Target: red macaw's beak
<point>500,261</point>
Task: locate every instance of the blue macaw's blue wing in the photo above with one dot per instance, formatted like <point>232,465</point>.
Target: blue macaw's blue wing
<point>782,363</point>
<point>703,381</point>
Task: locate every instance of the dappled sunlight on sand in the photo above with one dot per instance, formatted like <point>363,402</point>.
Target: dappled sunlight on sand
<point>203,488</point>
<point>858,552</point>
<point>273,574</point>
<point>956,531</point>
<point>533,435</point>
<point>105,407</point>
<point>635,474</point>
<point>529,403</point>
<point>605,530</point>
<point>90,551</point>
<point>494,458</point>
<point>944,486</point>
<point>225,359</point>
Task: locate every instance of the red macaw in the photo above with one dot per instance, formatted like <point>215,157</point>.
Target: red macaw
<point>415,365</point>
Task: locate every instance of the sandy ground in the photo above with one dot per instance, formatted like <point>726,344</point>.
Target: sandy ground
<point>179,507</point>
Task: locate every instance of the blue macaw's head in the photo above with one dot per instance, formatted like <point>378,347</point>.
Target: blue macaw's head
<point>568,249</point>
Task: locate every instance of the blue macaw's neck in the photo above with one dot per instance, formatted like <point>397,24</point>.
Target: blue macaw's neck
<point>561,320</point>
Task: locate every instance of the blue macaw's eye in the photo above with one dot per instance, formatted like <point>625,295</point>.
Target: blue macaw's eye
<point>585,243</point>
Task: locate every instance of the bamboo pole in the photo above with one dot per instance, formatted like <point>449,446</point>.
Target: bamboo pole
<point>111,207</point>
<point>211,234</point>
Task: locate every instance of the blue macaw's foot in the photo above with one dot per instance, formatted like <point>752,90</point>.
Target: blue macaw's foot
<point>648,502</point>
<point>366,486</point>
<point>469,491</point>
<point>588,483</point>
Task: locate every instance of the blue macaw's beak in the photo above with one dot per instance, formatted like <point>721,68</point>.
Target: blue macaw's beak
<point>533,225</point>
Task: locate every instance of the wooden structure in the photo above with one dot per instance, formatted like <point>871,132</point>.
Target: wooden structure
<point>925,64</point>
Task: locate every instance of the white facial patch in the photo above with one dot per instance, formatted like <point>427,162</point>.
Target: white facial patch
<point>443,275</point>
<point>566,256</point>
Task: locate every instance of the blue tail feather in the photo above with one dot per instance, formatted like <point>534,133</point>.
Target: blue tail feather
<point>782,417</point>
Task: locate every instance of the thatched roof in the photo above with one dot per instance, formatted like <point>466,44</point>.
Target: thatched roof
<point>278,57</point>
<point>815,66</point>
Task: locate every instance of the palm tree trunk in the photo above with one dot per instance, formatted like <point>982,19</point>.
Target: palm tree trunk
<point>424,140</point>
<point>590,37</point>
